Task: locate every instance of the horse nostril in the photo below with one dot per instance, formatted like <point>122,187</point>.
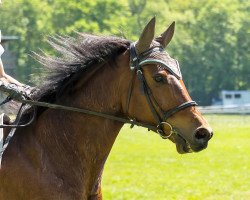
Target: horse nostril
<point>203,135</point>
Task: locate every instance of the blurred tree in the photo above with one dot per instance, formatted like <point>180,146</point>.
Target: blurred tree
<point>212,37</point>
<point>209,45</point>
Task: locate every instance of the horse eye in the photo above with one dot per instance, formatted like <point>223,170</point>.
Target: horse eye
<point>159,78</point>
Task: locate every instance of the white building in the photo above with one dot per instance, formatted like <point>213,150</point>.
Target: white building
<point>235,97</point>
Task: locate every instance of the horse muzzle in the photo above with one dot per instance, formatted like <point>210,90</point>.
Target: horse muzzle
<point>199,141</point>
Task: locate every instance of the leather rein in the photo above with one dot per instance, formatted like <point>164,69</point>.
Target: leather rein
<point>136,64</point>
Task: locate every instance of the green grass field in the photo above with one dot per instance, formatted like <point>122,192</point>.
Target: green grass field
<point>143,166</point>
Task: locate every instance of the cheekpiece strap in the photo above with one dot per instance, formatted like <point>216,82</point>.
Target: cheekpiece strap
<point>134,59</point>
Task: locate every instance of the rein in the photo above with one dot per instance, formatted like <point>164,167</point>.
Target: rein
<point>79,110</point>
<point>136,63</point>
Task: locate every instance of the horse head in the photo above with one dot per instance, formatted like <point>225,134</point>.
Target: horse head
<point>158,96</point>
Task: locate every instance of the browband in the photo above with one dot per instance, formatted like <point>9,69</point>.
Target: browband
<point>136,60</point>
<point>175,71</point>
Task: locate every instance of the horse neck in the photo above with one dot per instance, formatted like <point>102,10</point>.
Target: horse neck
<point>82,142</point>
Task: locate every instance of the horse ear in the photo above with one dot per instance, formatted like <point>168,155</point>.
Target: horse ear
<point>166,36</point>
<point>146,37</point>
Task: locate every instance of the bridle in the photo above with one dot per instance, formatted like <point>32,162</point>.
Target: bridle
<point>136,64</point>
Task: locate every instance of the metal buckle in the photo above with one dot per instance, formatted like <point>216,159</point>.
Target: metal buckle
<point>161,132</point>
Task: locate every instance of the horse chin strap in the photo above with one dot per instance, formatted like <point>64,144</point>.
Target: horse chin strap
<point>160,116</point>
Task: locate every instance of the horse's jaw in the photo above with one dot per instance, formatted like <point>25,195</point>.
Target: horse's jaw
<point>183,146</point>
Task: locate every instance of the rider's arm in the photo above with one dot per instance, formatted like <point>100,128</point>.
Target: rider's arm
<point>1,64</point>
<point>3,76</point>
<point>6,77</point>
<point>1,68</point>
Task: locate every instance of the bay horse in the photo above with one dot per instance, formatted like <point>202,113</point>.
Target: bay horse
<point>61,154</point>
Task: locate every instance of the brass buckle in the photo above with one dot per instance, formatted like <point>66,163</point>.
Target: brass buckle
<point>161,132</point>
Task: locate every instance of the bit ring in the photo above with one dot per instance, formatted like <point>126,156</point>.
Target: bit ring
<point>161,132</point>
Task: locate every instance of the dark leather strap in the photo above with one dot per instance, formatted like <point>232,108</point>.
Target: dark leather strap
<point>148,94</point>
<point>134,59</point>
<point>172,111</point>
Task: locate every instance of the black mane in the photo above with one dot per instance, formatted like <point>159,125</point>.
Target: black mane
<point>76,56</point>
